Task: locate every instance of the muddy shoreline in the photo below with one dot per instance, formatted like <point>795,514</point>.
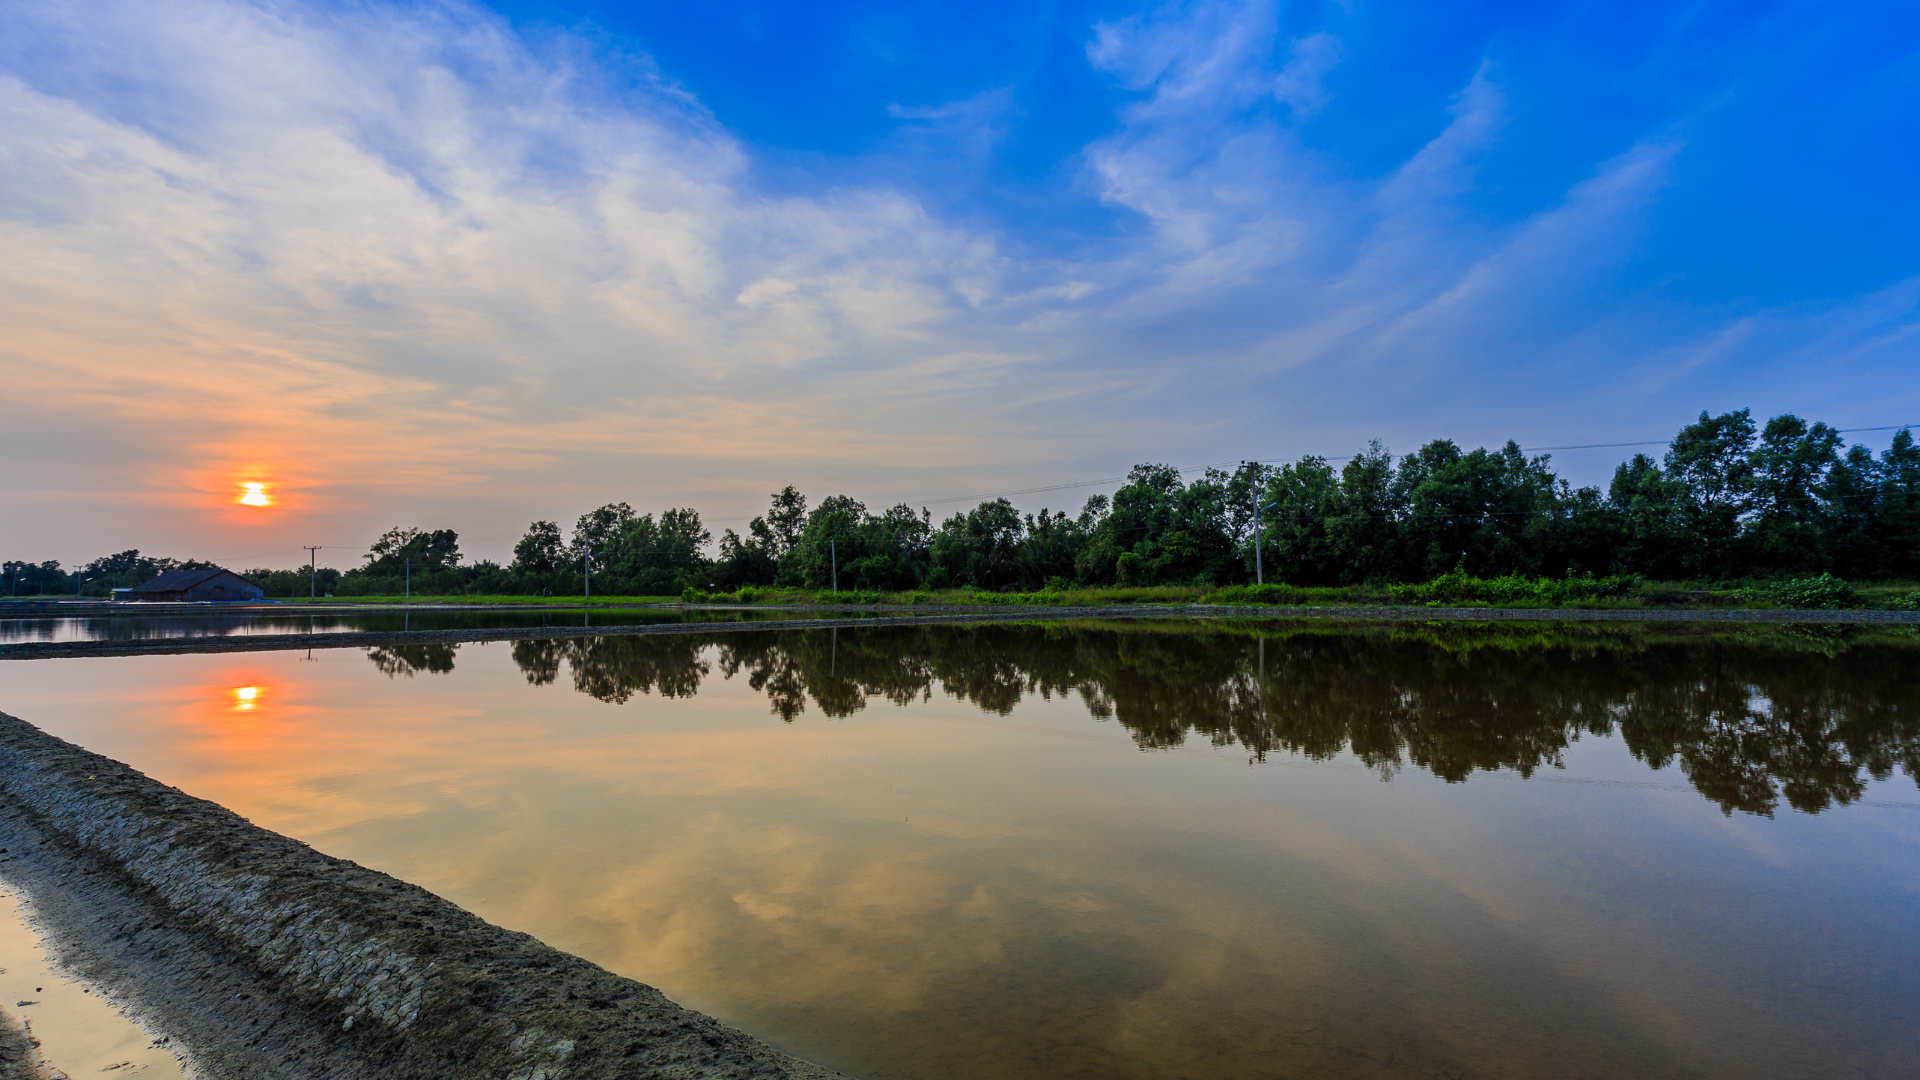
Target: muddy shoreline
<point>908,616</point>
<point>259,956</point>
<point>19,1051</point>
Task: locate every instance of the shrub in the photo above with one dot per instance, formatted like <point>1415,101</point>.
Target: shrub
<point>1044,598</point>
<point>1458,588</point>
<point>1255,594</point>
<point>1824,592</point>
<point>1909,602</point>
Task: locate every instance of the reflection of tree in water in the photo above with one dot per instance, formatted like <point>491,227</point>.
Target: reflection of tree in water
<point>839,671</point>
<point>1749,721</point>
<point>614,669</point>
<point>409,660</point>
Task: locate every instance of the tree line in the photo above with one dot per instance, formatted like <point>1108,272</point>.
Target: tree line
<point>1729,499</point>
<point>122,570</point>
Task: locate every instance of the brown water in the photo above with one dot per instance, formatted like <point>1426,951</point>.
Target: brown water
<point>1171,850</point>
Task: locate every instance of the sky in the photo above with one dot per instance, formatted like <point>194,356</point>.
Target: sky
<point>448,265</point>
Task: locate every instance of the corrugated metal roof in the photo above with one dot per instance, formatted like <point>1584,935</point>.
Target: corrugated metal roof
<point>181,580</point>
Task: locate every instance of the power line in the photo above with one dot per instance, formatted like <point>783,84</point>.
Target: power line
<point>1076,484</point>
<point>1303,457</point>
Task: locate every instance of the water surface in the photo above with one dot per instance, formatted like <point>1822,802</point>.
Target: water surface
<point>1139,850</point>
<point>131,625</point>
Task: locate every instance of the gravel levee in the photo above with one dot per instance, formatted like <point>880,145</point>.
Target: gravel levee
<point>910,616</point>
<point>260,957</point>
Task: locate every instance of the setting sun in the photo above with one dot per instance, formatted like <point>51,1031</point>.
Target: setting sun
<point>256,495</point>
<point>245,696</point>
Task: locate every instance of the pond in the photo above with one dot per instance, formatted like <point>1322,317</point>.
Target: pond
<point>1141,849</point>
<point>135,626</point>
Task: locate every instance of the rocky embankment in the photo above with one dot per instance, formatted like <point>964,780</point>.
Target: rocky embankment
<point>882,615</point>
<point>261,957</point>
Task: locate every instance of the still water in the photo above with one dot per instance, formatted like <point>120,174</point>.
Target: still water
<point>1141,850</point>
<point>133,626</point>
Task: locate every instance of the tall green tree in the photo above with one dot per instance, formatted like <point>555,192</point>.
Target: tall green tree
<point>1653,523</point>
<point>541,550</point>
<point>1897,510</point>
<point>598,532</point>
<point>828,539</point>
<point>785,523</point>
<point>400,551</point>
<point>981,548</point>
<point>661,557</point>
<point>1364,529</point>
<point>1790,469</point>
<point>1297,546</point>
<point>1711,462</point>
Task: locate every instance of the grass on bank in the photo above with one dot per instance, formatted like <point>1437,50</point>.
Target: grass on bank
<point>1456,589</point>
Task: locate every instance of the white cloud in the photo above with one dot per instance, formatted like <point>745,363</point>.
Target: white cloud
<point>1299,84</point>
<point>400,250</point>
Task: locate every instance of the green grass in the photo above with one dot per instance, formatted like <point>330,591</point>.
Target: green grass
<point>1448,591</point>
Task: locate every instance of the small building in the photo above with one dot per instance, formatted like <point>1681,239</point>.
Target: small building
<point>178,586</point>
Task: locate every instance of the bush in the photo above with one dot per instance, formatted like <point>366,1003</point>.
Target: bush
<point>1909,602</point>
<point>1824,592</point>
<point>1044,598</point>
<point>1256,594</point>
<point>1458,588</point>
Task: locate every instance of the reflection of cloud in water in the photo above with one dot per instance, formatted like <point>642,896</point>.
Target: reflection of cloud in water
<point>929,890</point>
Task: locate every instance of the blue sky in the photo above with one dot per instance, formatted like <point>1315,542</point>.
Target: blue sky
<point>1797,120</point>
<point>455,265</point>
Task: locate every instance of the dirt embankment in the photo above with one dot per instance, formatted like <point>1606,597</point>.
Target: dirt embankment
<point>261,957</point>
<point>924,616</point>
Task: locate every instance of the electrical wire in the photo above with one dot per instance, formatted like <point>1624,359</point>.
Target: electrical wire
<point>1187,471</point>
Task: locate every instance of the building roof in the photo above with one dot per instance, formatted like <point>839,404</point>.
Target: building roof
<point>182,580</point>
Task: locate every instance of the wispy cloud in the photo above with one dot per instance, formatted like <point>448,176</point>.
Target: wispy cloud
<point>422,266</point>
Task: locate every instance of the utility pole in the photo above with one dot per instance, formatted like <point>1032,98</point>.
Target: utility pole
<point>313,570</point>
<point>1259,572</point>
<point>409,596</point>
<point>586,574</point>
<point>833,550</point>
